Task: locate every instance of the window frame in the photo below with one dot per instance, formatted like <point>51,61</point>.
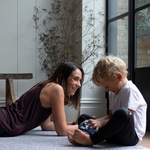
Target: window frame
<point>131,14</point>
<point>131,33</point>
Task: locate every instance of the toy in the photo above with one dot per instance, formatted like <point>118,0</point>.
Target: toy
<point>84,127</point>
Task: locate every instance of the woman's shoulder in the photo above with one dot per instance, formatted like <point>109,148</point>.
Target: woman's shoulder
<point>50,92</point>
<point>54,88</point>
<point>55,93</point>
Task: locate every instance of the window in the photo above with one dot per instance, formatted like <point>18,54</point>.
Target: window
<point>128,34</point>
<point>128,31</point>
<point>142,18</point>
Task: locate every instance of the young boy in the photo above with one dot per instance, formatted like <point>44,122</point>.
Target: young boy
<point>126,122</point>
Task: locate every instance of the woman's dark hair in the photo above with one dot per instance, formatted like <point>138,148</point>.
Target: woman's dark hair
<point>60,77</point>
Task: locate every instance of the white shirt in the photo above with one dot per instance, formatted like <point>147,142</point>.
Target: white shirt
<point>130,97</point>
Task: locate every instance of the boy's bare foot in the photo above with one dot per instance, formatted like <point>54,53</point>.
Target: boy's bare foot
<point>70,138</point>
<point>82,137</point>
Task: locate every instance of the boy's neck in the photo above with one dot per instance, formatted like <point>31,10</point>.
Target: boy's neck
<point>124,81</point>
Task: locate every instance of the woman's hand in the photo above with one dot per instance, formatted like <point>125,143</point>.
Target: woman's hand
<point>95,124</point>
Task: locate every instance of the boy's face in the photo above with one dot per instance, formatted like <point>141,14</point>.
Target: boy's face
<point>114,85</point>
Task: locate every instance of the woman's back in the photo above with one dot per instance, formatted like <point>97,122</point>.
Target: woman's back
<point>25,114</point>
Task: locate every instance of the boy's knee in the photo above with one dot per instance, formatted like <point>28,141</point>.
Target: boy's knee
<point>123,113</point>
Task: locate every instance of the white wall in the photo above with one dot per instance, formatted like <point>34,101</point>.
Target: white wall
<point>93,100</point>
<point>19,51</point>
<point>18,44</point>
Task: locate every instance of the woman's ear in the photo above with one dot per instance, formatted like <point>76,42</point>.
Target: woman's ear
<point>119,76</point>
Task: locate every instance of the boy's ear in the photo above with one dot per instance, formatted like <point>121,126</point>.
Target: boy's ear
<point>119,76</point>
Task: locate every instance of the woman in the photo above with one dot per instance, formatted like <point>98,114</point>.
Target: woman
<point>48,97</point>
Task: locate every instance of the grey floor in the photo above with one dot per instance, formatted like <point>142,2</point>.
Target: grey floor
<point>48,140</point>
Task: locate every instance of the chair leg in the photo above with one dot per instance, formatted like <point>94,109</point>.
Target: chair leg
<point>10,92</point>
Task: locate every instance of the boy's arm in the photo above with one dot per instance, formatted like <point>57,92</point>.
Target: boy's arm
<point>107,116</point>
<point>132,111</point>
<point>105,119</point>
<point>100,122</point>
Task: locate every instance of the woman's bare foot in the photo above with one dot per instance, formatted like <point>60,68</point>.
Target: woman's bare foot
<point>70,138</point>
<point>82,137</point>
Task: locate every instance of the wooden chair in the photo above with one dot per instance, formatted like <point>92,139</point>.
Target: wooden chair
<point>10,91</point>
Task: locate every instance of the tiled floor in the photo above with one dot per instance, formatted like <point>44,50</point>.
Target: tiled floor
<point>145,141</point>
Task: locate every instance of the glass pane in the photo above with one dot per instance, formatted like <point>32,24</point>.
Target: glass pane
<point>143,38</point>
<point>140,3</point>
<point>117,7</point>
<point>118,38</point>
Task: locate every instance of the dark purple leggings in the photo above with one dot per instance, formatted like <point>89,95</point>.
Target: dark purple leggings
<point>119,129</point>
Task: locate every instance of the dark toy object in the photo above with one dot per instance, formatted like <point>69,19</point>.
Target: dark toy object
<point>84,127</point>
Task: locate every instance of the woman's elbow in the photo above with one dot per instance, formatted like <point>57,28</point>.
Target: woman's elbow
<point>61,132</point>
<point>42,127</point>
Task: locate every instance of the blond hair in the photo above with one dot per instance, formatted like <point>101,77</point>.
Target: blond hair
<point>107,69</point>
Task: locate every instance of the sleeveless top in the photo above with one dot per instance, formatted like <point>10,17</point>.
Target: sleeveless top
<point>25,114</point>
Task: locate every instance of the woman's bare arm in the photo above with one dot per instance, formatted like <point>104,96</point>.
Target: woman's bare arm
<point>56,97</point>
<point>58,112</point>
<point>48,125</point>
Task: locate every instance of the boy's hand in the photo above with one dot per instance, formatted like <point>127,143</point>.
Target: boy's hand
<point>94,124</point>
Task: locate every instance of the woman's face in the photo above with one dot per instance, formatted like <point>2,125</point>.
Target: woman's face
<point>74,81</point>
